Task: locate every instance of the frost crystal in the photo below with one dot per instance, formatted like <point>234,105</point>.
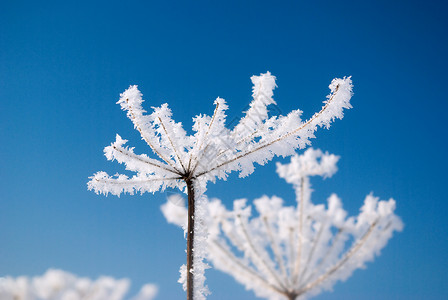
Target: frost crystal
<point>188,162</point>
<point>296,252</point>
<point>61,285</point>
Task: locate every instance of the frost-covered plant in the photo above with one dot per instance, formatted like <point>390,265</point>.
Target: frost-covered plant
<point>285,252</point>
<point>188,162</point>
<point>61,285</point>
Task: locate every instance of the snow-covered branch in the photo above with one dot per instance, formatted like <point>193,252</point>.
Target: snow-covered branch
<point>137,163</point>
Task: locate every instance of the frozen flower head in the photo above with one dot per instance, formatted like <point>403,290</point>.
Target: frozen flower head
<point>188,162</point>
<point>213,150</point>
<point>295,252</point>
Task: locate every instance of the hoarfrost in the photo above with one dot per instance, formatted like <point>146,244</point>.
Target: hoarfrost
<point>294,252</point>
<point>213,151</point>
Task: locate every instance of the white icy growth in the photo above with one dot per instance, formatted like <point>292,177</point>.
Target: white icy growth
<point>285,252</point>
<point>214,150</point>
<point>61,285</point>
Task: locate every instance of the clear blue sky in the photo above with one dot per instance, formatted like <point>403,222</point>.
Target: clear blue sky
<point>64,63</point>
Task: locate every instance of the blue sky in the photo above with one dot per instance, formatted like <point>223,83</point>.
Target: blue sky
<point>64,63</point>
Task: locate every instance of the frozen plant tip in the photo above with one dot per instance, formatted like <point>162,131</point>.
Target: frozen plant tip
<point>61,285</point>
<point>188,162</point>
<point>294,252</point>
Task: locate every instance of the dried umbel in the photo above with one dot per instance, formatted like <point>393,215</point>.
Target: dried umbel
<point>61,285</point>
<point>294,252</point>
<point>188,162</point>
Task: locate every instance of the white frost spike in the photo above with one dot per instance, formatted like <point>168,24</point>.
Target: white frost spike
<point>189,162</point>
<point>61,285</point>
<point>262,93</point>
<point>294,252</point>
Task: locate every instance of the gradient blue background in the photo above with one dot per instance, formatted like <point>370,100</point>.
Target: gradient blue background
<point>64,63</point>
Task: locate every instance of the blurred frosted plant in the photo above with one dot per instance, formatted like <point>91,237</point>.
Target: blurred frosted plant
<point>188,162</point>
<point>294,252</point>
<point>61,285</point>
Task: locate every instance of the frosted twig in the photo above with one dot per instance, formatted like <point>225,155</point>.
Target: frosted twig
<point>300,235</point>
<point>346,257</point>
<point>289,134</point>
<point>275,248</point>
<point>257,258</point>
<point>172,146</point>
<point>153,163</point>
<point>146,139</point>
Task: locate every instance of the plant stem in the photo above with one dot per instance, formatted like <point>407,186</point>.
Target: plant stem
<point>190,238</point>
<point>291,296</point>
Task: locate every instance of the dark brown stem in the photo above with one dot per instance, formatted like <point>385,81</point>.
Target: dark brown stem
<point>190,238</point>
<point>291,296</point>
